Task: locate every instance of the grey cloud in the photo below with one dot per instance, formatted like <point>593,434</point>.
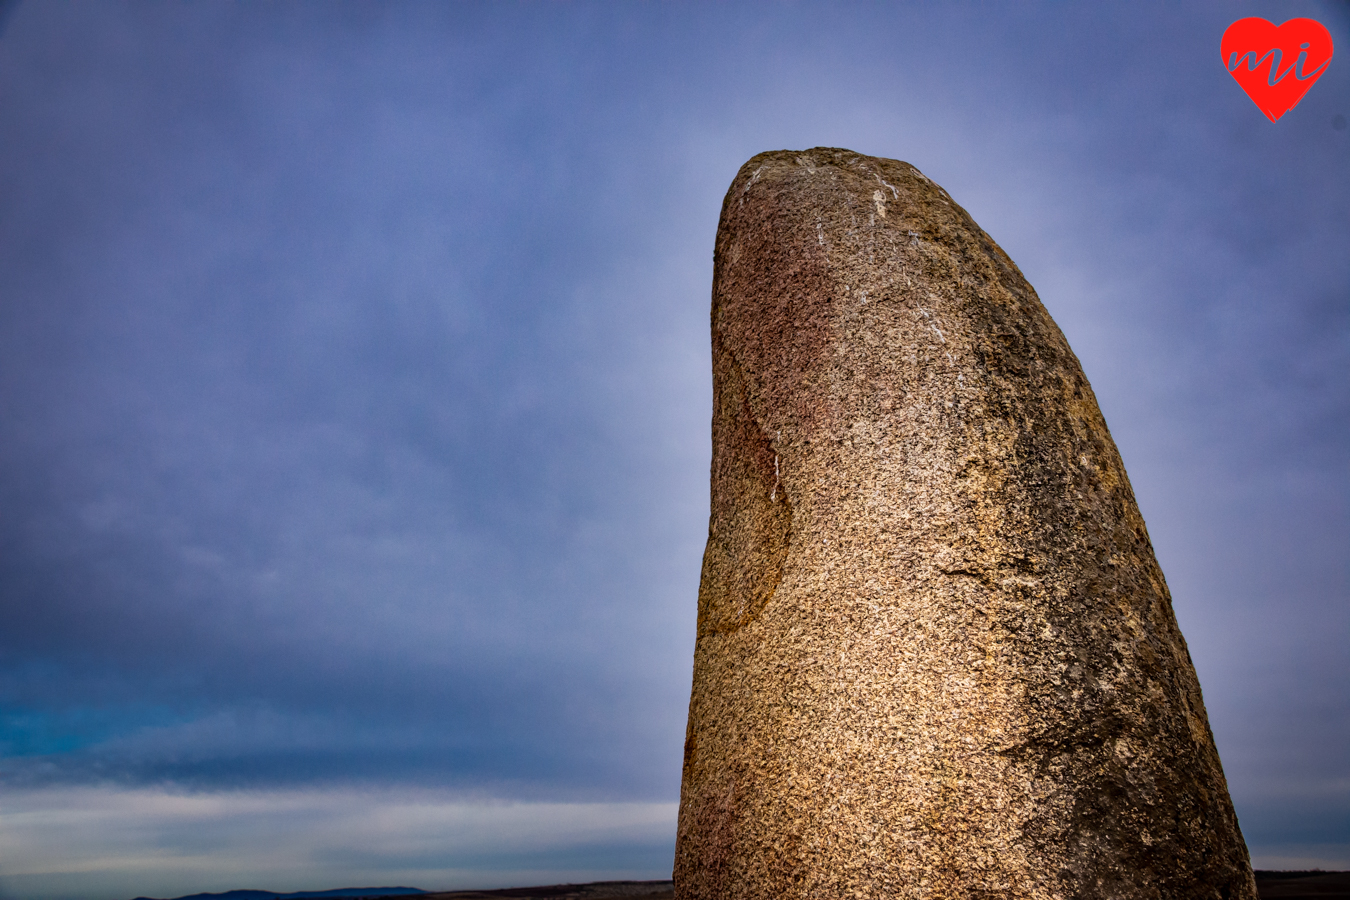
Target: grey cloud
<point>354,379</point>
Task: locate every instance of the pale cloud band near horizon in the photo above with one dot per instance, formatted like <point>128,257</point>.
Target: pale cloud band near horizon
<point>113,843</point>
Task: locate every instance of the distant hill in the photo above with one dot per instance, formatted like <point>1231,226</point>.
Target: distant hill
<point>301,895</point>
<point>596,890</point>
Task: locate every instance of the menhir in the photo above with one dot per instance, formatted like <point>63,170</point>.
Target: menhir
<point>936,657</point>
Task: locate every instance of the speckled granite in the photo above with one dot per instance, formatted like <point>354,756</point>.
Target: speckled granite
<point>936,657</point>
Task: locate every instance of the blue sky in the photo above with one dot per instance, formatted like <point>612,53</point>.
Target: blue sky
<point>355,397</point>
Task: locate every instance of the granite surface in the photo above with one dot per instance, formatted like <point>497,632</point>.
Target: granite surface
<point>936,657</point>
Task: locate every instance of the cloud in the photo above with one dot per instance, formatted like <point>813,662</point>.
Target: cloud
<point>109,844</point>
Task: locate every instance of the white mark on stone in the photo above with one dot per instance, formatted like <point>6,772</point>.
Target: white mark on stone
<point>933,325</point>
<point>820,234</point>
<point>753,179</point>
<point>913,238</point>
<point>773,495</point>
<point>880,200</point>
<point>894,192</point>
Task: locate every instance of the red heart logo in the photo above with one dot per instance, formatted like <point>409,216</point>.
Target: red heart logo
<point>1276,66</point>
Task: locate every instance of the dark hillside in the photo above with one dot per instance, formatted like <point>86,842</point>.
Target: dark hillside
<point>599,890</point>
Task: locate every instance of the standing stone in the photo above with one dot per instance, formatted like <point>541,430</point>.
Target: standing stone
<point>936,657</point>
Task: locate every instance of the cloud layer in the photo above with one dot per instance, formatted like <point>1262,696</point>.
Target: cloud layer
<point>158,844</point>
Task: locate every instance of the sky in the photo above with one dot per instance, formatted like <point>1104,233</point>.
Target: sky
<point>355,395</point>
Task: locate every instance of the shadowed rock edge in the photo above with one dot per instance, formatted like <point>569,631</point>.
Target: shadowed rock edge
<point>936,656</point>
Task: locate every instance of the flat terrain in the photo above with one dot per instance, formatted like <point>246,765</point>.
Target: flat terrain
<point>1272,885</point>
<point>599,890</point>
<point>1303,885</point>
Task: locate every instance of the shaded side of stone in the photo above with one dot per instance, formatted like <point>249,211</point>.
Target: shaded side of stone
<point>936,656</point>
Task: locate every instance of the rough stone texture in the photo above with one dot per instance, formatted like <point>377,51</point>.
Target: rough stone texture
<point>936,657</point>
